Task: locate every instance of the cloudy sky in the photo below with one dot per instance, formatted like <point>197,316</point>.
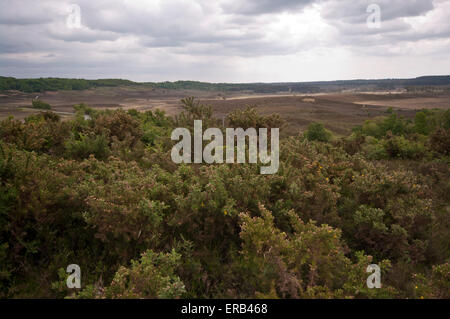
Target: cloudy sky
<point>224,40</point>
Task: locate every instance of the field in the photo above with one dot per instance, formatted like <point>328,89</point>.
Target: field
<point>339,112</point>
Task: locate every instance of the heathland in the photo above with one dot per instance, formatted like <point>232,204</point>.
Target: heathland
<point>87,178</point>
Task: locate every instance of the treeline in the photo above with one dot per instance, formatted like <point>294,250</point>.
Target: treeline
<point>54,84</point>
<point>101,191</point>
<point>230,87</point>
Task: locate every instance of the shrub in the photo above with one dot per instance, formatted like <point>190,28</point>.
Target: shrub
<point>380,126</point>
<point>250,118</point>
<point>153,276</point>
<point>194,110</point>
<point>87,145</point>
<point>40,133</point>
<point>316,132</point>
<point>118,124</point>
<point>434,285</point>
<point>394,124</point>
<point>446,120</point>
<point>440,281</point>
<point>440,141</point>
<point>386,214</point>
<point>305,231</point>
<point>371,128</point>
<point>309,263</point>
<point>38,104</point>
<point>354,143</point>
<point>400,147</point>
<point>375,149</point>
<point>421,124</point>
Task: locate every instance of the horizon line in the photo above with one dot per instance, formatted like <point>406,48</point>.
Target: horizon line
<point>198,81</point>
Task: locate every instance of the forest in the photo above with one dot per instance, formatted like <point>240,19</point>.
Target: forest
<point>56,84</point>
<point>100,191</point>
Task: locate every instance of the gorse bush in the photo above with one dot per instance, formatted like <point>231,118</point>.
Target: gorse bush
<point>250,118</point>
<point>43,133</point>
<point>153,276</point>
<point>101,191</point>
<point>310,262</point>
<point>86,146</point>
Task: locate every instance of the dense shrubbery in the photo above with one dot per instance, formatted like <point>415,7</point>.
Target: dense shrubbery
<point>394,137</point>
<point>38,104</point>
<point>250,118</point>
<point>316,132</point>
<point>101,191</point>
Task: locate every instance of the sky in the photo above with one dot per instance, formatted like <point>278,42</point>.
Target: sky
<point>225,40</point>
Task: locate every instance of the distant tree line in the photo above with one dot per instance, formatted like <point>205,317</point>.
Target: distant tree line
<point>55,84</point>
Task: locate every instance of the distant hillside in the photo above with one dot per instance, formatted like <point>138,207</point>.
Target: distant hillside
<point>55,84</point>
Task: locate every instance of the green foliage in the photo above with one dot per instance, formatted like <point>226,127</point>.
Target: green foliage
<point>381,126</point>
<point>55,84</point>
<point>156,127</point>
<point>316,132</point>
<point>86,146</point>
<point>40,133</point>
<point>38,104</point>
<point>421,84</point>
<point>309,263</point>
<point>421,124</point>
<point>446,119</point>
<point>397,138</point>
<point>400,147</point>
<point>101,191</point>
<point>153,276</point>
<point>375,149</point>
<point>250,118</point>
<point>393,219</point>
<point>194,110</point>
<point>436,284</point>
<point>440,281</point>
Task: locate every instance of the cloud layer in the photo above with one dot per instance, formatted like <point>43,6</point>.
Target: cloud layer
<point>225,40</point>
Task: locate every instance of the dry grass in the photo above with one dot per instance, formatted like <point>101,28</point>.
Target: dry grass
<point>339,112</point>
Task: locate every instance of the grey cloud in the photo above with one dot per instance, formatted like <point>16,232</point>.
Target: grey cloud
<point>24,39</point>
<point>203,39</point>
<point>60,32</point>
<point>252,7</point>
<point>26,12</point>
<point>349,18</point>
<point>173,17</point>
<point>355,11</point>
<point>179,24</point>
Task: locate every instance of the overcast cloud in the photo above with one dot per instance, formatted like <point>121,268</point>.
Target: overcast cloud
<point>225,40</point>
